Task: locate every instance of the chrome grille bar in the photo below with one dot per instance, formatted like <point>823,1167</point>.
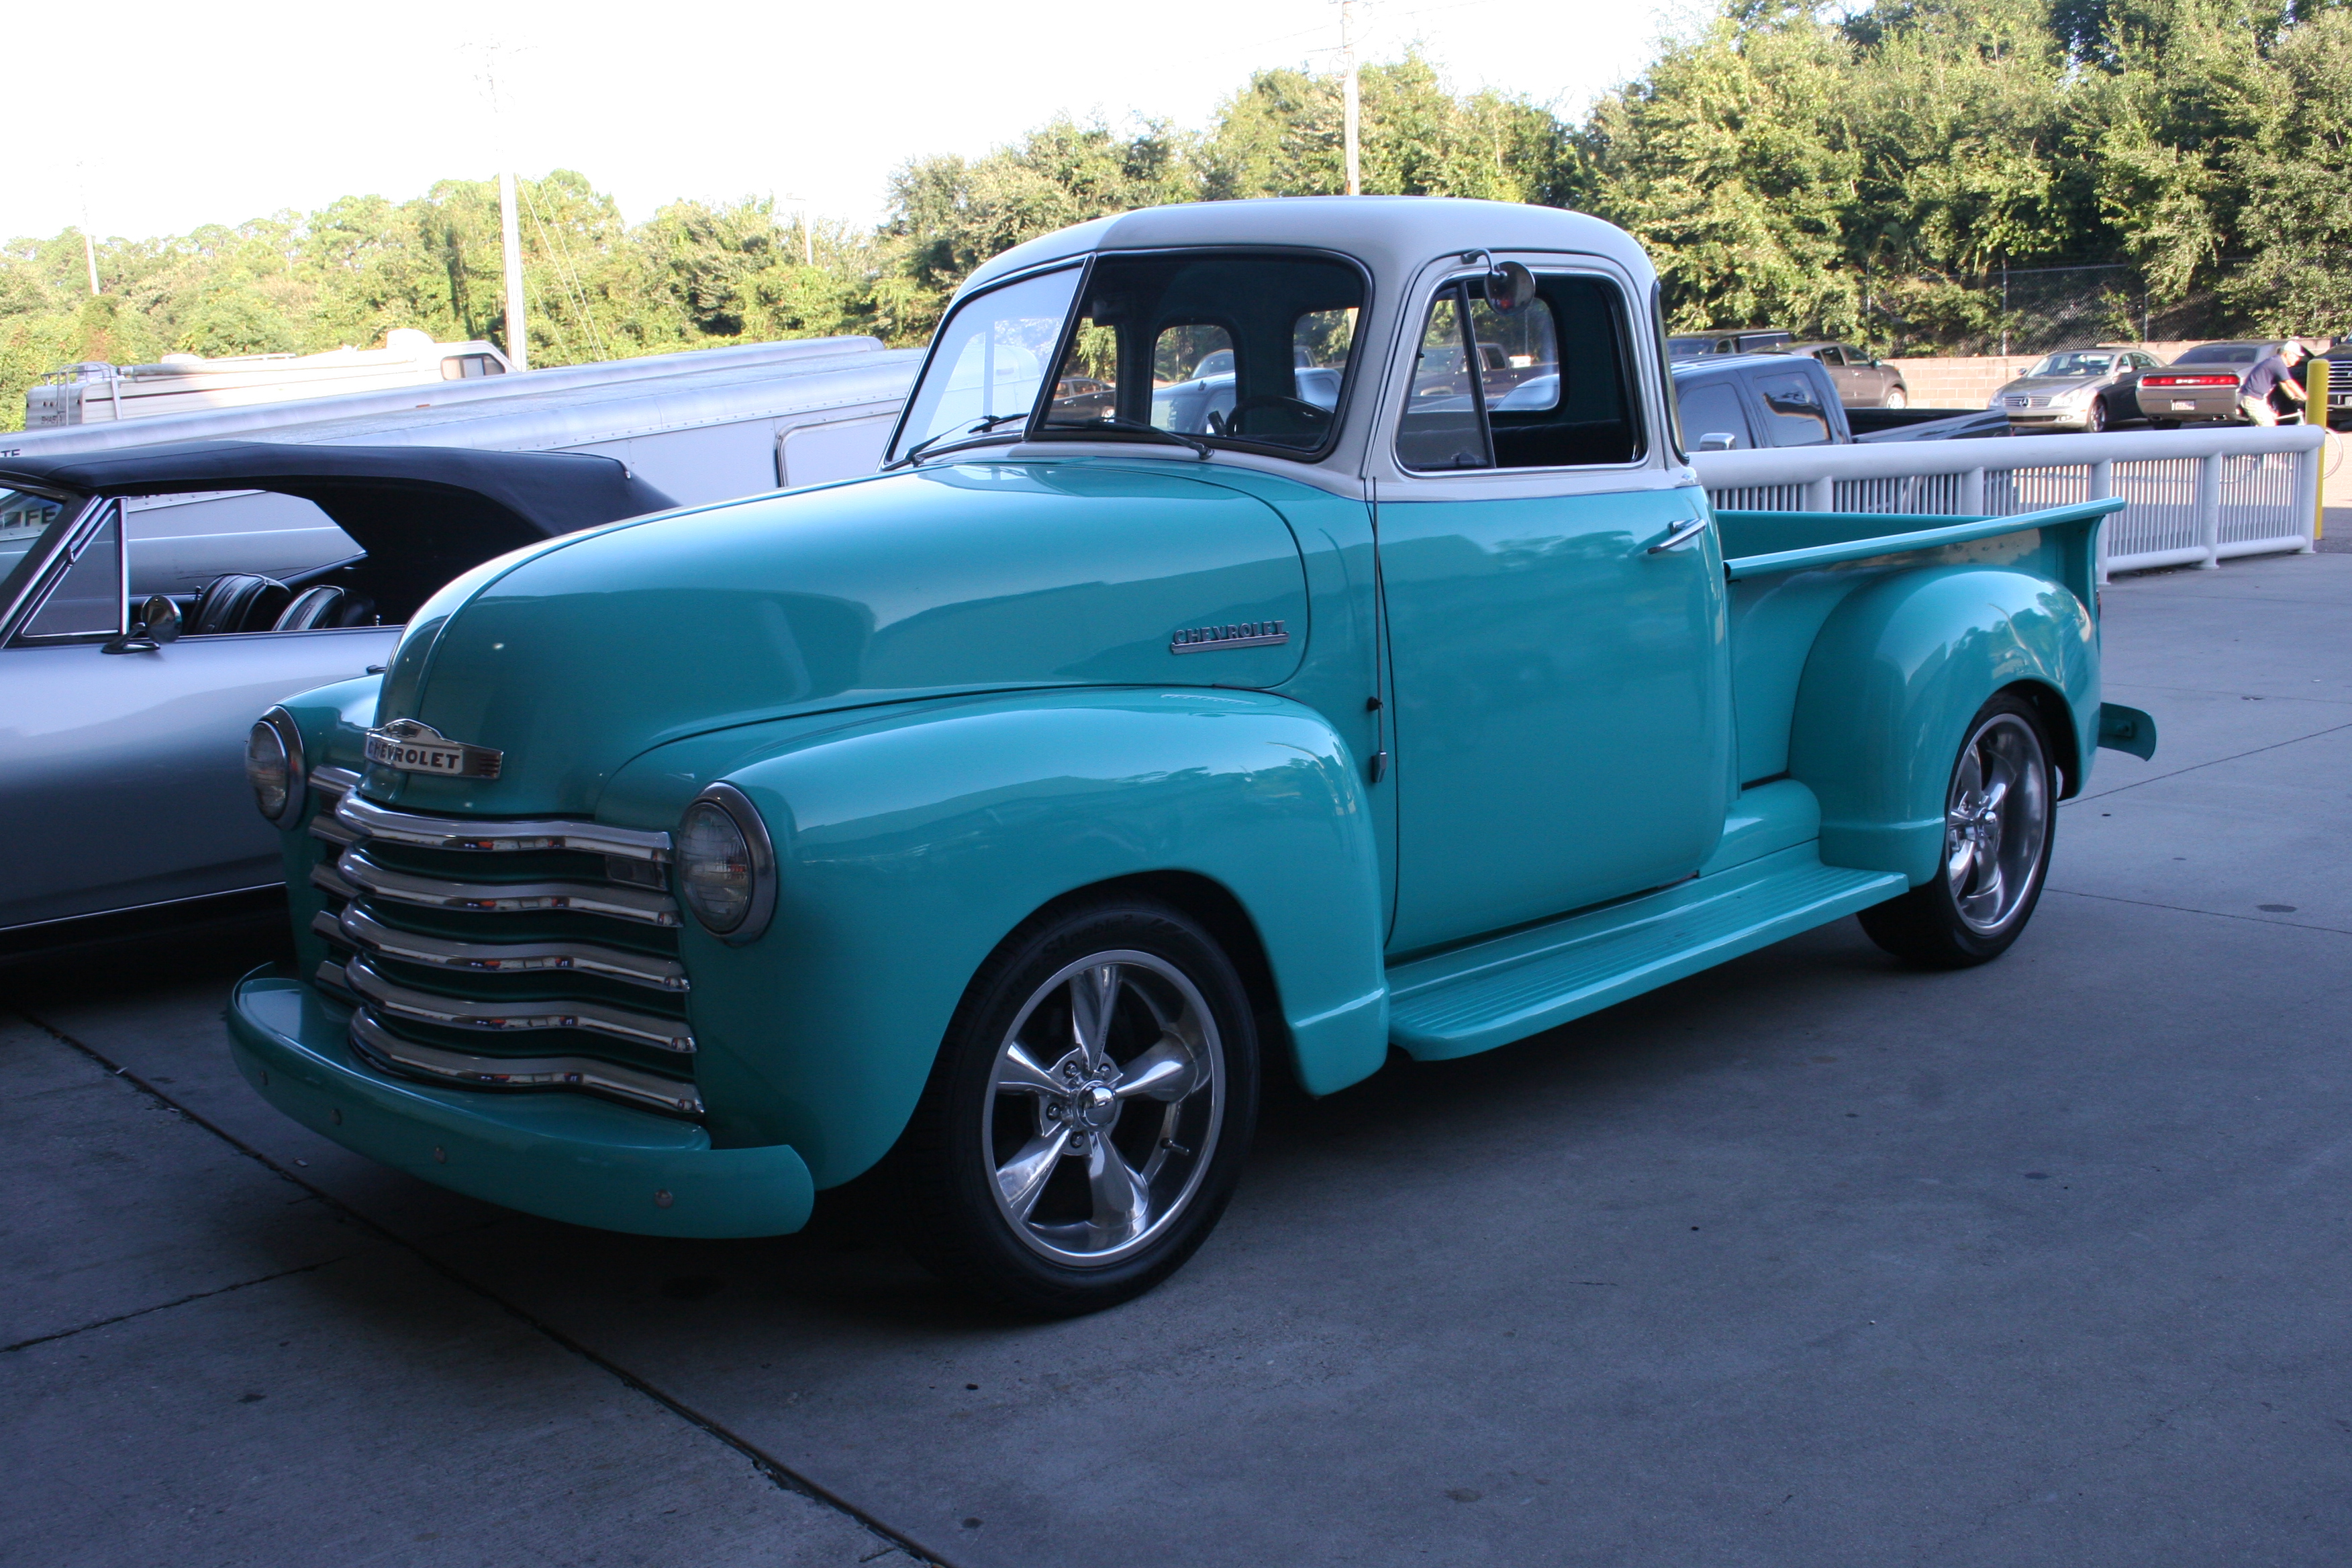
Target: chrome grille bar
<point>334,781</point>
<point>360,930</point>
<point>436,893</point>
<point>371,1040</point>
<point>324,879</point>
<point>372,821</point>
<point>465,1013</point>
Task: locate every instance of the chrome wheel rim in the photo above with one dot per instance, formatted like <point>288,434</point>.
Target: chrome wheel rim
<point>1104,1106</point>
<point>1995,823</point>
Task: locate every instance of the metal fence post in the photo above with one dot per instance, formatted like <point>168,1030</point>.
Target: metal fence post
<point>2102,485</point>
<point>2209,511</point>
<point>1972,503</point>
<point>1820,495</point>
<point>2317,399</point>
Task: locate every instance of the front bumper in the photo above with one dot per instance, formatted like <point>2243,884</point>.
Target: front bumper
<point>563,1156</point>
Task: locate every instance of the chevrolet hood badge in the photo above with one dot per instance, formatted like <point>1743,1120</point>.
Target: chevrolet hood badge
<point>417,748</point>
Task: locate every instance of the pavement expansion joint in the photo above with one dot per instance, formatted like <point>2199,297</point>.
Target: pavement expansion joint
<point>2193,910</point>
<point>167,1306</point>
<point>2215,762</point>
<point>777,1474</point>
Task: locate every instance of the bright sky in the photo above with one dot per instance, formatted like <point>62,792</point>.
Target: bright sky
<point>162,116</point>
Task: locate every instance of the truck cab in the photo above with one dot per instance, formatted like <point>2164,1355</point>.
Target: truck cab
<point>996,822</point>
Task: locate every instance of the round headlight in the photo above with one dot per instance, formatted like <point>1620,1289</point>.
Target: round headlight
<point>273,766</point>
<point>725,867</point>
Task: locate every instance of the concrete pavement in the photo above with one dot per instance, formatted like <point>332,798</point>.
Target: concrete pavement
<point>1812,1260</point>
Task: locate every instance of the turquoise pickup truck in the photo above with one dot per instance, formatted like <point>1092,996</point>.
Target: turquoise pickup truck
<point>1281,634</point>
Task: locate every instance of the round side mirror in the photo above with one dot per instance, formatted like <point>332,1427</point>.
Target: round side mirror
<point>160,620</point>
<point>1510,287</point>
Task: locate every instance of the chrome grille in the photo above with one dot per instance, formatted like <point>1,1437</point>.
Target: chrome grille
<point>505,954</point>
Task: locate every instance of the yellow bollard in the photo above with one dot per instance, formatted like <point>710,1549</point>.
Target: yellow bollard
<point>2315,406</point>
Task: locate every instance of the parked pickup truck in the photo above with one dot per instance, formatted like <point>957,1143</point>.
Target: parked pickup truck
<point>995,823</point>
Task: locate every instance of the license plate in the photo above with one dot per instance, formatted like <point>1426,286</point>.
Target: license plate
<point>2178,403</point>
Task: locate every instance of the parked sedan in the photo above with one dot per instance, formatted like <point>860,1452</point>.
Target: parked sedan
<point>2201,385</point>
<point>128,678</point>
<point>1862,380</point>
<point>2077,389</point>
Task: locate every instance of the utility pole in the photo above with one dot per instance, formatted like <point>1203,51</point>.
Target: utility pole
<point>1347,65</point>
<point>88,245</point>
<point>509,227</point>
<point>511,239</point>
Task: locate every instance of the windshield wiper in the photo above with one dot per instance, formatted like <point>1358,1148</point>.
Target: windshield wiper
<point>1120,422</point>
<point>984,423</point>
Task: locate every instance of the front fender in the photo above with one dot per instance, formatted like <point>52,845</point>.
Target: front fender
<point>909,843</point>
<point>1893,680</point>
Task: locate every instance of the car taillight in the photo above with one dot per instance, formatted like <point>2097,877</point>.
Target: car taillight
<point>2189,381</point>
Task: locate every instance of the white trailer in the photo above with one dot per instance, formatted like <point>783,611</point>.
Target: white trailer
<point>705,425</point>
<point>94,392</point>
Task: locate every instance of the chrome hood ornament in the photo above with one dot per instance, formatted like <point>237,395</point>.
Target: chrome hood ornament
<point>418,747</point>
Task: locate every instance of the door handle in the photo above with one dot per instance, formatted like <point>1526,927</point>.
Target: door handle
<point>1682,535</point>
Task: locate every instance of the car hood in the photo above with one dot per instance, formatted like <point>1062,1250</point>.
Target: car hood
<point>2052,385</point>
<point>574,657</point>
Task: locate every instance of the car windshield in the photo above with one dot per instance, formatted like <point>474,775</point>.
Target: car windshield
<point>988,363</point>
<point>2075,363</point>
<point>2223,353</point>
<point>25,519</point>
<point>1249,348</point>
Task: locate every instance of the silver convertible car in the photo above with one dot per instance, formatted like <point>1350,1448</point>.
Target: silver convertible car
<point>138,640</point>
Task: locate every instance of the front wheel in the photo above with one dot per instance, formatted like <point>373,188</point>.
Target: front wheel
<point>2096,419</point>
<point>1089,1112</point>
<point>1897,398</point>
<point>1998,825</point>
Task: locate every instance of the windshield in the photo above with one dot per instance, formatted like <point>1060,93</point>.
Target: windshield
<point>2224,353</point>
<point>988,363</point>
<point>2075,364</point>
<point>1247,349</point>
<point>25,519</point>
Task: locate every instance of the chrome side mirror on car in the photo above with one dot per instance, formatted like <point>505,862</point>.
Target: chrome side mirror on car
<point>158,623</point>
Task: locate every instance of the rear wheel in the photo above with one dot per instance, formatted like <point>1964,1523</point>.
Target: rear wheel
<point>1999,821</point>
<point>1090,1112</point>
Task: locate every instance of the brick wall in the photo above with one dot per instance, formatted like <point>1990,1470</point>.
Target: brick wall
<point>1971,382</point>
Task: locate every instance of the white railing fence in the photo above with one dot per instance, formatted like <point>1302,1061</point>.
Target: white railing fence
<point>2192,496</point>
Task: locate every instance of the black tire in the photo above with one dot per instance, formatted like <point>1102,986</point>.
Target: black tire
<point>1971,915</point>
<point>1174,997</point>
<point>1896,398</point>
<point>2096,419</point>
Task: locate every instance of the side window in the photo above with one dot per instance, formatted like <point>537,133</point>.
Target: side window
<point>1552,387</point>
<point>1713,420</point>
<point>1794,415</point>
<point>87,600</point>
<point>1573,404</point>
<point>1832,356</point>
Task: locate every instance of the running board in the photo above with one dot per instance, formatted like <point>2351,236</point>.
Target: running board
<point>1474,998</point>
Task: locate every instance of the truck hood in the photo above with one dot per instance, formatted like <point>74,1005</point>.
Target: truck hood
<point>576,657</point>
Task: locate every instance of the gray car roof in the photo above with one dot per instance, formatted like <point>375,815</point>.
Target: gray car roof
<point>1393,235</point>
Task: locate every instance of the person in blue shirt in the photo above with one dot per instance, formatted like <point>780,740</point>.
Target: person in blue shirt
<point>2271,373</point>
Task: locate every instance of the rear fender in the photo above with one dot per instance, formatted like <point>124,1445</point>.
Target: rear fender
<point>909,845</point>
<point>1894,678</point>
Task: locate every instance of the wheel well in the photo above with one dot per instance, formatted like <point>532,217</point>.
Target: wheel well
<point>1213,904</point>
<point>2058,722</point>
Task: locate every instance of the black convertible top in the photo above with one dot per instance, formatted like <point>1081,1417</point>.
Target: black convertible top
<point>418,504</point>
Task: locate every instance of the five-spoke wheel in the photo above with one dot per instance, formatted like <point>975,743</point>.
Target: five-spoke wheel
<point>1086,1118</point>
<point>1999,814</point>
